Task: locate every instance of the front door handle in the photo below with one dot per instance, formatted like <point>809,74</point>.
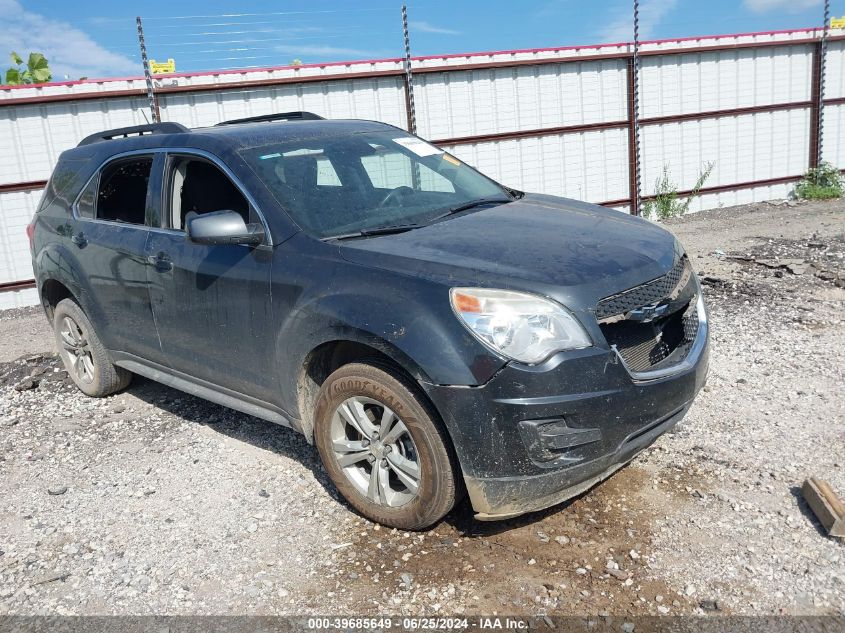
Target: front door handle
<point>161,262</point>
<point>79,239</point>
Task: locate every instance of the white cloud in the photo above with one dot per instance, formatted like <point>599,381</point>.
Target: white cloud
<point>651,13</point>
<point>425,27</point>
<point>790,6</point>
<point>69,50</point>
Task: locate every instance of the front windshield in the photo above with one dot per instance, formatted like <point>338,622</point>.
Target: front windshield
<point>361,182</point>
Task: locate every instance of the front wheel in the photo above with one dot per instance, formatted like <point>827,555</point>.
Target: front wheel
<point>383,448</point>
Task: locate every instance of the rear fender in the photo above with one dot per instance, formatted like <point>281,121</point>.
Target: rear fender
<point>58,263</point>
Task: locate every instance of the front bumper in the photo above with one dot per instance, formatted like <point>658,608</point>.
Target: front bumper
<point>533,437</point>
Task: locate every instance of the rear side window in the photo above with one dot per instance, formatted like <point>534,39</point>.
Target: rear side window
<point>121,192</point>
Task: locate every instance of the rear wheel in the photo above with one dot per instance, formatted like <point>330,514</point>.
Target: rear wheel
<point>383,448</point>
<point>86,360</point>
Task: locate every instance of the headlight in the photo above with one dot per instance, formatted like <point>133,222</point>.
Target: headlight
<point>521,326</point>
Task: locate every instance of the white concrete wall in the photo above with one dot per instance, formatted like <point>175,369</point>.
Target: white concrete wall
<point>16,211</point>
<point>379,98</point>
<point>588,165</point>
<point>833,139</point>
<point>454,104</point>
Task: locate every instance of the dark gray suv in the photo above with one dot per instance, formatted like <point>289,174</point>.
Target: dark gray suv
<point>434,333</point>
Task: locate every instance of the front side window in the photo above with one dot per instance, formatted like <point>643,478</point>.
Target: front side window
<point>121,192</point>
<point>341,185</point>
<point>198,186</point>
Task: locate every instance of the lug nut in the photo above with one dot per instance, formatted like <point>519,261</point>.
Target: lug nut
<point>387,449</point>
<point>365,443</point>
<point>371,458</point>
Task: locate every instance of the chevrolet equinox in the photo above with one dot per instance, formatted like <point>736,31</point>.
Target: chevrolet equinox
<point>434,333</point>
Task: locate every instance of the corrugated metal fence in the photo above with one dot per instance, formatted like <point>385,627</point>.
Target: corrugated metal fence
<point>556,121</point>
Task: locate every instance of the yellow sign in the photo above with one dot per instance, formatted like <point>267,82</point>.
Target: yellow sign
<point>161,68</point>
<point>837,23</point>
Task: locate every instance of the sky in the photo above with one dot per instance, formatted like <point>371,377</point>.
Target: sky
<point>99,39</point>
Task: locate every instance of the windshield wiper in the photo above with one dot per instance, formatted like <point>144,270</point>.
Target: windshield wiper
<point>516,193</point>
<point>381,230</point>
<point>468,205</point>
<point>401,228</point>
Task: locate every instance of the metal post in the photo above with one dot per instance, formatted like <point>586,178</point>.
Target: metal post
<point>147,75</point>
<point>634,114</point>
<point>409,77</point>
<point>815,91</point>
<point>822,62</point>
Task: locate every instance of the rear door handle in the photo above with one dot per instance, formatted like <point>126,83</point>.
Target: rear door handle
<point>79,239</point>
<point>161,261</point>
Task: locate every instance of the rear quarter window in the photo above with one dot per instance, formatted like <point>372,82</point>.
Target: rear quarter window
<point>67,178</point>
<point>86,205</point>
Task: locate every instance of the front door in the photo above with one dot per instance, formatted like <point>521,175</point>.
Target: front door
<point>211,302</point>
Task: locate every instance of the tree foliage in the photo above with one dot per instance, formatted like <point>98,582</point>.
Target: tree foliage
<point>35,71</point>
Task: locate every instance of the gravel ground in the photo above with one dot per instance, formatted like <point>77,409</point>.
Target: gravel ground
<point>153,501</point>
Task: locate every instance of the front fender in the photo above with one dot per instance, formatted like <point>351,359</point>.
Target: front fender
<point>407,318</point>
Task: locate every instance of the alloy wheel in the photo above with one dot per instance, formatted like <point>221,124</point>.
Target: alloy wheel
<point>76,350</point>
<point>376,452</point>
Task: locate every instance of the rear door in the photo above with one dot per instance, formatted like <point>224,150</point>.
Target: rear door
<point>109,237</point>
<point>211,302</point>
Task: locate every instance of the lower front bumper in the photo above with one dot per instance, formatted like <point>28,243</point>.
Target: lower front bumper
<point>534,436</point>
<point>505,497</point>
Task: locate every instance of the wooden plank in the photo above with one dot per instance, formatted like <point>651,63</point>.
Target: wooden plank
<point>827,507</point>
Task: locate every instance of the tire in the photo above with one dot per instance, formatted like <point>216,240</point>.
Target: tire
<point>386,497</point>
<point>86,360</point>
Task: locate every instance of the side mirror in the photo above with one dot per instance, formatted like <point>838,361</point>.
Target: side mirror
<point>222,227</point>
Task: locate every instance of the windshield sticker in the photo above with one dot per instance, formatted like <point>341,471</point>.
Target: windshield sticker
<point>418,146</point>
<point>266,156</point>
<point>451,159</point>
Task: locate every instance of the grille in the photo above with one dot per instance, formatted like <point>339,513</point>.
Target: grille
<point>691,322</point>
<point>647,293</point>
<point>645,346</point>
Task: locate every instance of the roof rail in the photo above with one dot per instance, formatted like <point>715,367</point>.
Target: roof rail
<point>136,130</point>
<point>279,116</point>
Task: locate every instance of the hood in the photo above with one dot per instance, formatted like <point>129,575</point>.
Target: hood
<point>536,243</point>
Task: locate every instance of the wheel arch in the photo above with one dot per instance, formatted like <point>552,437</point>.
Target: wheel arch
<point>52,291</point>
<point>333,353</point>
<point>58,275</point>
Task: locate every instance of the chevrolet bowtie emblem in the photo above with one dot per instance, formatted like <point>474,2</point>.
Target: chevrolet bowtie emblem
<point>647,314</point>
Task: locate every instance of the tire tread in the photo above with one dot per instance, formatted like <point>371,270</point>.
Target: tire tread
<point>446,489</point>
<point>108,377</point>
